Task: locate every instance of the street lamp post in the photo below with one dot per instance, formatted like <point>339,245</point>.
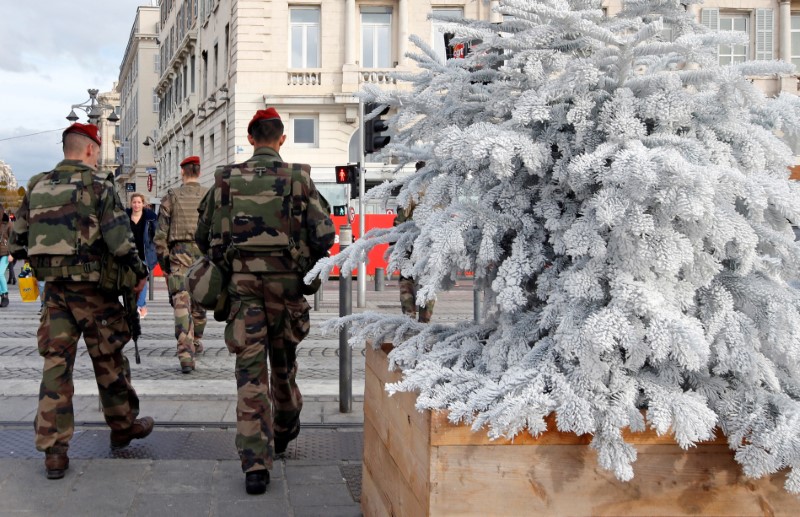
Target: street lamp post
<point>93,109</point>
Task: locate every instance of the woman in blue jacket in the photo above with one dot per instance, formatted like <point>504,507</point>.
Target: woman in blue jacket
<point>143,226</point>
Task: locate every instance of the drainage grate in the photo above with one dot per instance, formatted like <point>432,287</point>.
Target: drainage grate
<point>352,476</point>
<point>168,444</point>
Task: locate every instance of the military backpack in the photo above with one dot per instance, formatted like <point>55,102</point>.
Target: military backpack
<point>183,220</point>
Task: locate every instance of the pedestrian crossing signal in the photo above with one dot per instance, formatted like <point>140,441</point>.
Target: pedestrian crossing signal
<point>340,210</point>
<point>345,173</point>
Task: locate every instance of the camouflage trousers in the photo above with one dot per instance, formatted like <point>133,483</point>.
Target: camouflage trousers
<point>268,319</point>
<point>190,318</point>
<point>408,300</point>
<point>72,309</point>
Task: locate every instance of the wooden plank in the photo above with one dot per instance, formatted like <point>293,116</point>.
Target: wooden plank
<point>374,408</point>
<point>377,364</point>
<point>566,480</point>
<point>389,479</point>
<point>373,502</point>
<point>445,433</point>
<point>404,431</point>
<point>408,445</point>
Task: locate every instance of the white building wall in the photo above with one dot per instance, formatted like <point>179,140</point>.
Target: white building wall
<point>258,73</point>
<point>138,76</point>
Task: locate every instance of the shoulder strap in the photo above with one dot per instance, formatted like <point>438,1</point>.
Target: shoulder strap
<point>88,183</point>
<point>222,182</point>
<point>296,217</point>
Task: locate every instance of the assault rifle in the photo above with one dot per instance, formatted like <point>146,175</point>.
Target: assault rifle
<point>132,317</point>
<point>121,280</point>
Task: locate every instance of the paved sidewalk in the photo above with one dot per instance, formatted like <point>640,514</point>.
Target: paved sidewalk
<point>189,465</point>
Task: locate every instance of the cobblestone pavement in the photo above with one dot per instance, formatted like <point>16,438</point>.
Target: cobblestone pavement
<point>318,355</point>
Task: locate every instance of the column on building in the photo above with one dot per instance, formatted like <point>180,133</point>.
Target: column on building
<point>402,31</point>
<point>350,32</point>
<point>494,16</point>
<point>349,68</point>
<point>785,30</point>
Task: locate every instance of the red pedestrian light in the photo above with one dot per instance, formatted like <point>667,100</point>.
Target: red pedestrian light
<point>342,174</point>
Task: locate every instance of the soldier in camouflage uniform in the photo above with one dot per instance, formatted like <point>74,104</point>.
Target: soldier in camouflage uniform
<point>176,250</point>
<point>408,286</point>
<point>70,218</point>
<point>264,223</point>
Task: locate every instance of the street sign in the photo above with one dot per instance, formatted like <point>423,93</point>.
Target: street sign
<point>149,182</point>
<point>150,170</point>
<point>130,187</point>
<point>351,215</point>
<point>390,211</point>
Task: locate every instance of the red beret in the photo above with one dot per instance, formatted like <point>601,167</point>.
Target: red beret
<point>267,114</point>
<point>191,160</point>
<point>88,130</point>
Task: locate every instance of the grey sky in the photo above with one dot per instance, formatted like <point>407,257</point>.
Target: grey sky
<point>51,52</point>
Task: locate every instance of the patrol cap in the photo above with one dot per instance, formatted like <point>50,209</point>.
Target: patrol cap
<point>267,114</point>
<point>191,160</point>
<point>205,283</point>
<point>88,130</point>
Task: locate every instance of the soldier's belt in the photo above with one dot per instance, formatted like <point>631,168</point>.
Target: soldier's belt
<point>64,271</point>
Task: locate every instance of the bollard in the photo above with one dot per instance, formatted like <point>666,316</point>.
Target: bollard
<point>379,278</point>
<point>345,309</point>
<point>361,300</point>
<point>316,299</point>
<point>477,301</point>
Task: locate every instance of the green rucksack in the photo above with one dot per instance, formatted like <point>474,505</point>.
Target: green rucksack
<point>251,212</point>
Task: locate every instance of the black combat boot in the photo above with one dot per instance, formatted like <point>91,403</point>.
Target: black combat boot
<point>282,439</point>
<point>4,300</point>
<point>256,482</point>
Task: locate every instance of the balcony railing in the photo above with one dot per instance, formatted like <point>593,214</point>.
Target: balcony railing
<point>376,76</point>
<point>304,78</point>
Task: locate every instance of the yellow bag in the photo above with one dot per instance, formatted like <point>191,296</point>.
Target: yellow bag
<point>28,289</point>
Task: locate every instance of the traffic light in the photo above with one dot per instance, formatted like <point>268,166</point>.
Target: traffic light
<point>339,209</point>
<point>345,173</point>
<point>373,139</point>
<point>355,186</point>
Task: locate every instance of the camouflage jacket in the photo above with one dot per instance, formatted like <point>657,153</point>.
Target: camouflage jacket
<point>177,222</point>
<point>263,226</point>
<point>64,228</point>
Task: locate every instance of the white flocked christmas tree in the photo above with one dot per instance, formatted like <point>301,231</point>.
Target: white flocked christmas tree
<point>623,201</point>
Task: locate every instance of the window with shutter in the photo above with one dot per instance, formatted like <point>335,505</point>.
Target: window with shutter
<point>764,34</point>
<point>710,18</point>
<point>795,36</point>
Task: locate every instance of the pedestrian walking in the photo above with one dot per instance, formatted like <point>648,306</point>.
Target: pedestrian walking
<point>5,233</point>
<point>263,222</point>
<point>176,251</point>
<point>143,225</point>
<point>12,276</point>
<point>408,285</point>
<point>71,221</point>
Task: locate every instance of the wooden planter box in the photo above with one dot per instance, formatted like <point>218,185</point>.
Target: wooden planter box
<point>419,464</point>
